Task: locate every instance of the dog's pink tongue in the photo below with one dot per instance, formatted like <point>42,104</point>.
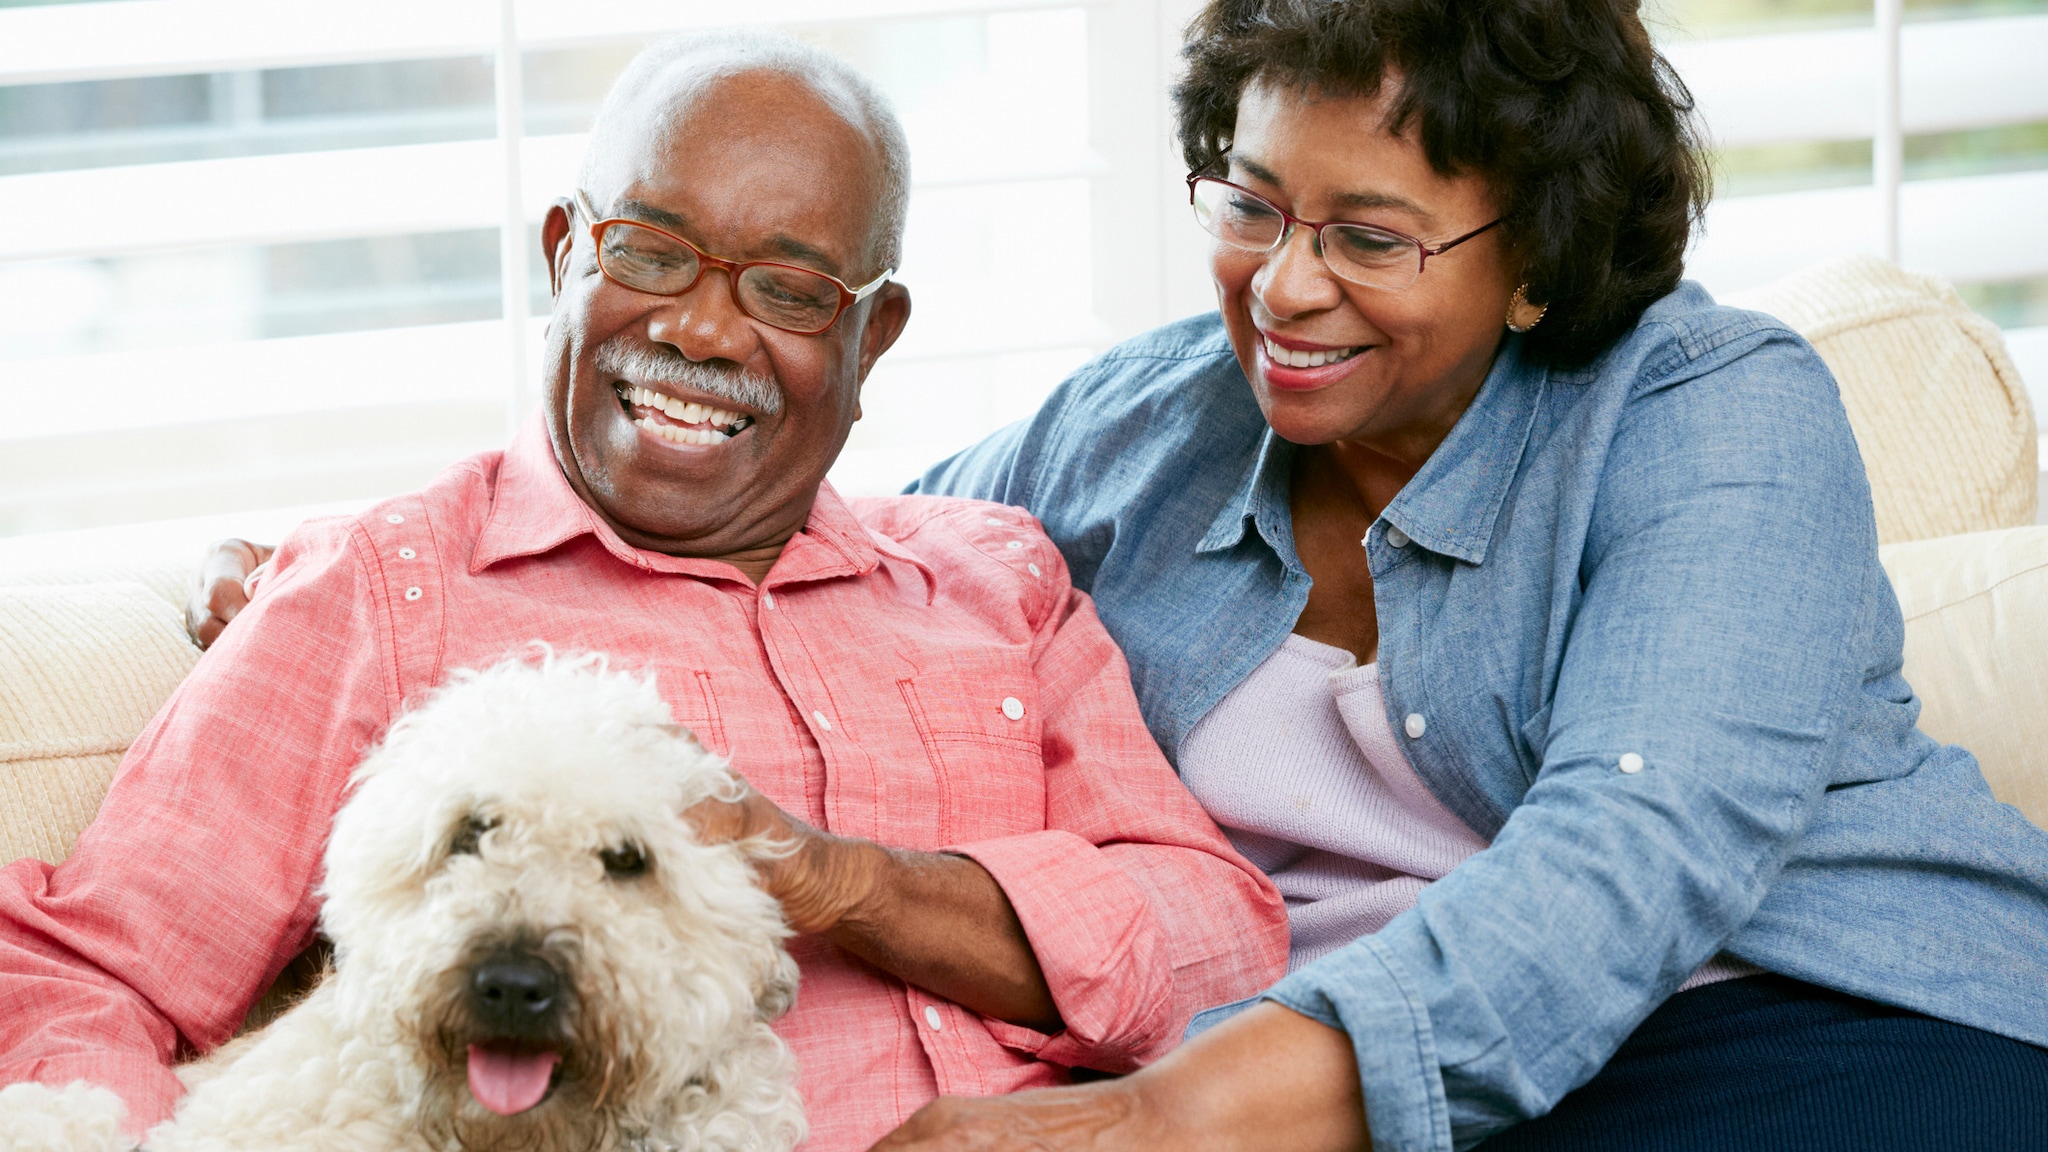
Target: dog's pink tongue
<point>509,1083</point>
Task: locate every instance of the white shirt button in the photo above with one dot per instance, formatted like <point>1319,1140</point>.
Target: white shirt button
<point>1415,725</point>
<point>1396,537</point>
<point>768,601</point>
<point>1034,570</point>
<point>995,521</point>
<point>1014,544</point>
<point>406,553</point>
<point>931,1019</point>
<point>414,593</point>
<point>394,518</point>
<point>822,722</point>
<point>1013,708</point>
<point>1631,763</point>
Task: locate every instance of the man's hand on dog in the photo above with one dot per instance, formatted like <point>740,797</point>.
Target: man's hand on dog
<point>819,879</point>
<point>936,920</point>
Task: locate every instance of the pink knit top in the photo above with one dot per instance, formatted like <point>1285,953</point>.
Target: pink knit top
<point>1302,769</point>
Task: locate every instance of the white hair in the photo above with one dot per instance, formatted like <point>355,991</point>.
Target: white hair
<point>735,51</point>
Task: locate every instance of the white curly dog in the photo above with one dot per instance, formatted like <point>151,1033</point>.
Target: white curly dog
<point>531,952</point>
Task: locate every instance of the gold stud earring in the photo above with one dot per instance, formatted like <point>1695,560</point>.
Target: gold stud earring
<point>1523,315</point>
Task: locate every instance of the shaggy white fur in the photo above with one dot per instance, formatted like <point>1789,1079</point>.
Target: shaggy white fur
<point>517,912</point>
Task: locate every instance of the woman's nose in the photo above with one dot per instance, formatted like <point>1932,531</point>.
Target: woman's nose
<point>1294,278</point>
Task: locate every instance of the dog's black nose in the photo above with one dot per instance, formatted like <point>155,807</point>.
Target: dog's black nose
<point>514,993</point>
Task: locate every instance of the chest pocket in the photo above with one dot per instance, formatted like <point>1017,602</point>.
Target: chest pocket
<point>977,715</point>
<point>696,708</point>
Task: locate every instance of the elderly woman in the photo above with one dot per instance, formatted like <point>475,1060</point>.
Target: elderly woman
<point>1518,610</point>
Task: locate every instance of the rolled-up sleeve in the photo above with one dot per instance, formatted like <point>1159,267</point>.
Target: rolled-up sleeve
<point>1138,909</point>
<point>168,919</point>
<point>1728,577</point>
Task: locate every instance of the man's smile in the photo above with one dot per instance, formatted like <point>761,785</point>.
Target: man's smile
<point>679,421</point>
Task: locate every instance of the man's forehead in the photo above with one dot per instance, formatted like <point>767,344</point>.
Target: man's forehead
<point>754,156</point>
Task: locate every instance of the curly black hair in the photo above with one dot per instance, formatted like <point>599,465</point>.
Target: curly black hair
<point>1582,131</point>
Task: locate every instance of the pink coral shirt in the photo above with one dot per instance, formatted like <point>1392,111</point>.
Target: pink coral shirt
<point>913,670</point>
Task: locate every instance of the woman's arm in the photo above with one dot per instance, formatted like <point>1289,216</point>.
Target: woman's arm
<point>1267,1080</point>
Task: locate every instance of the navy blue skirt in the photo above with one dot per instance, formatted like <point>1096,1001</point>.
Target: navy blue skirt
<point>1770,1064</point>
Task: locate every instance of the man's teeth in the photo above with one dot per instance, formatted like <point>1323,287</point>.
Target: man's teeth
<point>682,411</point>
<point>681,435</point>
<point>1294,358</point>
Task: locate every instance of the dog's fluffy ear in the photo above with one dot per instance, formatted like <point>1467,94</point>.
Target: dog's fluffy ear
<point>775,983</point>
<point>78,1117</point>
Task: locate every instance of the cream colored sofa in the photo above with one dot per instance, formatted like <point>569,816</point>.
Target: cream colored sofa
<point>91,645</point>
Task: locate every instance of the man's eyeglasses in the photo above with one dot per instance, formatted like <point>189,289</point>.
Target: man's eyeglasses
<point>1360,253</point>
<point>646,259</point>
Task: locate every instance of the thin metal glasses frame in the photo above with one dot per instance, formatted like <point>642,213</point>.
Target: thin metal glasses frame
<point>1289,220</point>
<point>848,297</point>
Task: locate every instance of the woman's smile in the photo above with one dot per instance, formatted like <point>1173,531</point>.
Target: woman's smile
<point>1290,364</point>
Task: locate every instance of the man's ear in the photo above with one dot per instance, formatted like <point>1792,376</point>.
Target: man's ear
<point>888,312</point>
<point>554,240</point>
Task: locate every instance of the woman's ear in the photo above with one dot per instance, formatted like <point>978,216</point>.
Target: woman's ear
<point>555,242</point>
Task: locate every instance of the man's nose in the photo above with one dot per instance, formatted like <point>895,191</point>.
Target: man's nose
<point>705,323</point>
<point>515,994</point>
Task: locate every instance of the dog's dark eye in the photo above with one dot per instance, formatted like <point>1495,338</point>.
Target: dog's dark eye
<point>623,862</point>
<point>466,835</point>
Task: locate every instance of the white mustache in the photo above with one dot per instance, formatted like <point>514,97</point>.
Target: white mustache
<point>645,364</point>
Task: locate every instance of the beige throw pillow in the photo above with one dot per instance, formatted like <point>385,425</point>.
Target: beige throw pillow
<point>1943,420</point>
<point>83,667</point>
<point>1976,611</point>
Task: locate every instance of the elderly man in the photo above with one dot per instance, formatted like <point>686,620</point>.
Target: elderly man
<point>998,877</point>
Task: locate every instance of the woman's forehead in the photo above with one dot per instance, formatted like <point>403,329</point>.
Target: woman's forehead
<point>1334,157</point>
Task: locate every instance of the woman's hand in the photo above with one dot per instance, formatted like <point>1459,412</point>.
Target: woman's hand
<point>1267,1080</point>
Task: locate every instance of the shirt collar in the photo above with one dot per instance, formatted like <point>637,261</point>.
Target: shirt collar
<point>1262,499</point>
<point>1451,504</point>
<point>534,511</point>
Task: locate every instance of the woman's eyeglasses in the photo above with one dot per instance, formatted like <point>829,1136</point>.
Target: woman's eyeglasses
<point>1360,253</point>
<point>646,259</point>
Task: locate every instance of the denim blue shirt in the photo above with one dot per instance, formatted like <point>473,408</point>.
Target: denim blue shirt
<point>1665,562</point>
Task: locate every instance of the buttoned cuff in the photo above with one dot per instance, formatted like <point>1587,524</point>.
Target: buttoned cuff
<point>1364,991</point>
<point>150,1090</point>
<point>1098,943</point>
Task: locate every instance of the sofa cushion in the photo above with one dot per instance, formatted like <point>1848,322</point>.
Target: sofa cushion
<point>1939,411</point>
<point>83,667</point>
<point>1976,610</point>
